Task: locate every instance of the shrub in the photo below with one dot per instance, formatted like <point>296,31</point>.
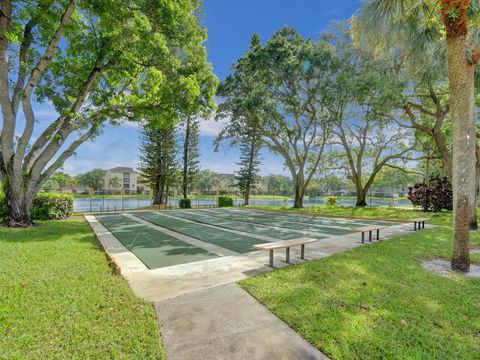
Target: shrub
<point>225,201</point>
<point>435,195</point>
<point>50,206</point>
<point>331,200</point>
<point>185,204</point>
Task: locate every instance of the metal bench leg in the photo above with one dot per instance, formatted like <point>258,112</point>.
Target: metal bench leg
<point>414,226</point>
<point>423,224</point>
<point>370,236</point>
<point>270,260</point>
<point>287,255</point>
<point>378,234</point>
<point>363,238</point>
<point>302,252</point>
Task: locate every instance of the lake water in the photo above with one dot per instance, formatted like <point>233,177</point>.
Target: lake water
<point>99,204</point>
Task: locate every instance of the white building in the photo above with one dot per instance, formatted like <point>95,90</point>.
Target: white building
<point>122,178</point>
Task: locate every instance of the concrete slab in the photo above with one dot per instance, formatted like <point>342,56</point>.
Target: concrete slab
<point>164,283</point>
<point>225,322</point>
<point>442,267</point>
<point>124,258</point>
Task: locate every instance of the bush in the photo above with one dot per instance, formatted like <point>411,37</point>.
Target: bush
<point>52,206</point>
<point>184,204</point>
<point>331,200</point>
<point>435,195</point>
<point>225,201</point>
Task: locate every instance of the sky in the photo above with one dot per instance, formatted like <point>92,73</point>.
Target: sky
<point>230,24</point>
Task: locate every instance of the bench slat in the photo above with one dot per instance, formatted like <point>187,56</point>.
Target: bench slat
<point>419,219</point>
<point>369,228</point>
<point>283,244</point>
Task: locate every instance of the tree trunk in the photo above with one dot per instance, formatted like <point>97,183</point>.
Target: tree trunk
<point>361,198</point>
<point>18,205</point>
<point>185,159</point>
<point>246,196</point>
<point>158,192</point>
<point>298,201</point>
<point>461,83</point>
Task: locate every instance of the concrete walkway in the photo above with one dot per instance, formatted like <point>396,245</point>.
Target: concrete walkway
<point>226,323</point>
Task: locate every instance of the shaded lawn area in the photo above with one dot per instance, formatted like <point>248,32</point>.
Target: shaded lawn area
<point>373,212</point>
<point>60,299</point>
<point>377,302</point>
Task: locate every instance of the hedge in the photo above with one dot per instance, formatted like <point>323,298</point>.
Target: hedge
<point>184,204</point>
<point>46,206</point>
<point>225,201</point>
<point>435,195</point>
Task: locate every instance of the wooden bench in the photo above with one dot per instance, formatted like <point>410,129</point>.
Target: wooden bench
<point>420,222</point>
<point>284,245</point>
<point>369,229</point>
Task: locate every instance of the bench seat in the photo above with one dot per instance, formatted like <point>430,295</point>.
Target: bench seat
<point>285,245</point>
<point>420,222</point>
<point>370,229</point>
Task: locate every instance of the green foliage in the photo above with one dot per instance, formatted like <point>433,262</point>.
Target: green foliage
<point>184,204</point>
<point>225,201</point>
<point>247,176</point>
<point>331,201</point>
<point>94,178</point>
<point>52,206</point>
<point>191,155</point>
<point>46,206</point>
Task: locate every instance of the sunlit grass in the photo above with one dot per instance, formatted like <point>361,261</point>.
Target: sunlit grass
<point>59,299</point>
<point>377,302</point>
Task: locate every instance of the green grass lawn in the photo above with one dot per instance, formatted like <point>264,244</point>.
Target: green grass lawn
<point>373,212</point>
<point>376,301</point>
<point>59,299</point>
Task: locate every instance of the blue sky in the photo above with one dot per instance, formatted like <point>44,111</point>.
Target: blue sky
<point>230,25</point>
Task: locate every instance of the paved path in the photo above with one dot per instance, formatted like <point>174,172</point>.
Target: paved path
<point>226,323</point>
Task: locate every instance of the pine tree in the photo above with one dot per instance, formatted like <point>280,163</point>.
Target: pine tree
<point>249,165</point>
<point>158,165</point>
<point>190,158</point>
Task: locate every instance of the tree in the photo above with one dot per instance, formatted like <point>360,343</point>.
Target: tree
<point>249,166</point>
<point>280,87</point>
<point>363,102</point>
<point>190,157</point>
<point>95,61</point>
<point>94,178</point>
<point>278,184</point>
<point>114,182</point>
<point>419,22</point>
<point>158,164</point>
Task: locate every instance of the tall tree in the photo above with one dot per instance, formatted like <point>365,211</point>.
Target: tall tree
<point>190,156</point>
<point>95,61</point>
<point>94,178</point>
<point>247,175</point>
<point>418,20</point>
<point>280,88</point>
<point>158,165</point>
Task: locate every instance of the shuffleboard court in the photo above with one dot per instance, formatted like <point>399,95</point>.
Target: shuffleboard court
<point>231,241</point>
<point>257,229</point>
<point>154,248</point>
<point>281,222</point>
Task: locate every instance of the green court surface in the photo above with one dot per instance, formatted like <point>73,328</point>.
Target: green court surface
<point>257,229</point>
<point>228,240</point>
<point>154,248</point>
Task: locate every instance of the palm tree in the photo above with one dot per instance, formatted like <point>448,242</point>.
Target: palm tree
<point>114,182</point>
<point>423,22</point>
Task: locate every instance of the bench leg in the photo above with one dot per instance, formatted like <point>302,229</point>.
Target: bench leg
<point>270,259</point>
<point>414,226</point>
<point>302,252</point>
<point>363,238</point>
<point>423,224</point>
<point>287,255</point>
<point>378,234</point>
<point>370,236</point>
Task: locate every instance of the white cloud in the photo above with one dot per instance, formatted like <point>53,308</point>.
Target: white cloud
<point>210,127</point>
